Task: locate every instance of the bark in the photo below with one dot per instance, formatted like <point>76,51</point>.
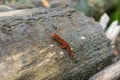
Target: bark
<point>111,72</point>
<point>27,51</point>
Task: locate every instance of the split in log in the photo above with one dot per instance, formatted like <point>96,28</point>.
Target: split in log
<point>112,72</point>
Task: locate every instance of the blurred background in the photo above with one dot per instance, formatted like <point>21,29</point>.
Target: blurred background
<point>91,8</point>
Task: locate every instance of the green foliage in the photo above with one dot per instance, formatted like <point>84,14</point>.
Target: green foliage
<point>115,14</point>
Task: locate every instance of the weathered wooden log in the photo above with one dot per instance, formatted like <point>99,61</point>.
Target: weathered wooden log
<point>111,72</point>
<point>27,51</point>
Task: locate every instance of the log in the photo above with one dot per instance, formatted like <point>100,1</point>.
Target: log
<point>27,51</point>
<point>111,72</point>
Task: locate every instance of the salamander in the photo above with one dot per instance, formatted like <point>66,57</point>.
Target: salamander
<point>64,44</point>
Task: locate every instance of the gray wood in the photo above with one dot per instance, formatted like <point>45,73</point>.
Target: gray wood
<point>111,72</point>
<point>27,51</point>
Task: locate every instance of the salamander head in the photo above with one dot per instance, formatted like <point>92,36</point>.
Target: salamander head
<point>54,35</point>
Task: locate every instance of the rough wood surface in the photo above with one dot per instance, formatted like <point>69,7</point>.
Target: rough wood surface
<point>27,51</point>
<point>111,72</point>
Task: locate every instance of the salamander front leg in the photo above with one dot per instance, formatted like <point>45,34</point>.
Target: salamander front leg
<point>62,46</point>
